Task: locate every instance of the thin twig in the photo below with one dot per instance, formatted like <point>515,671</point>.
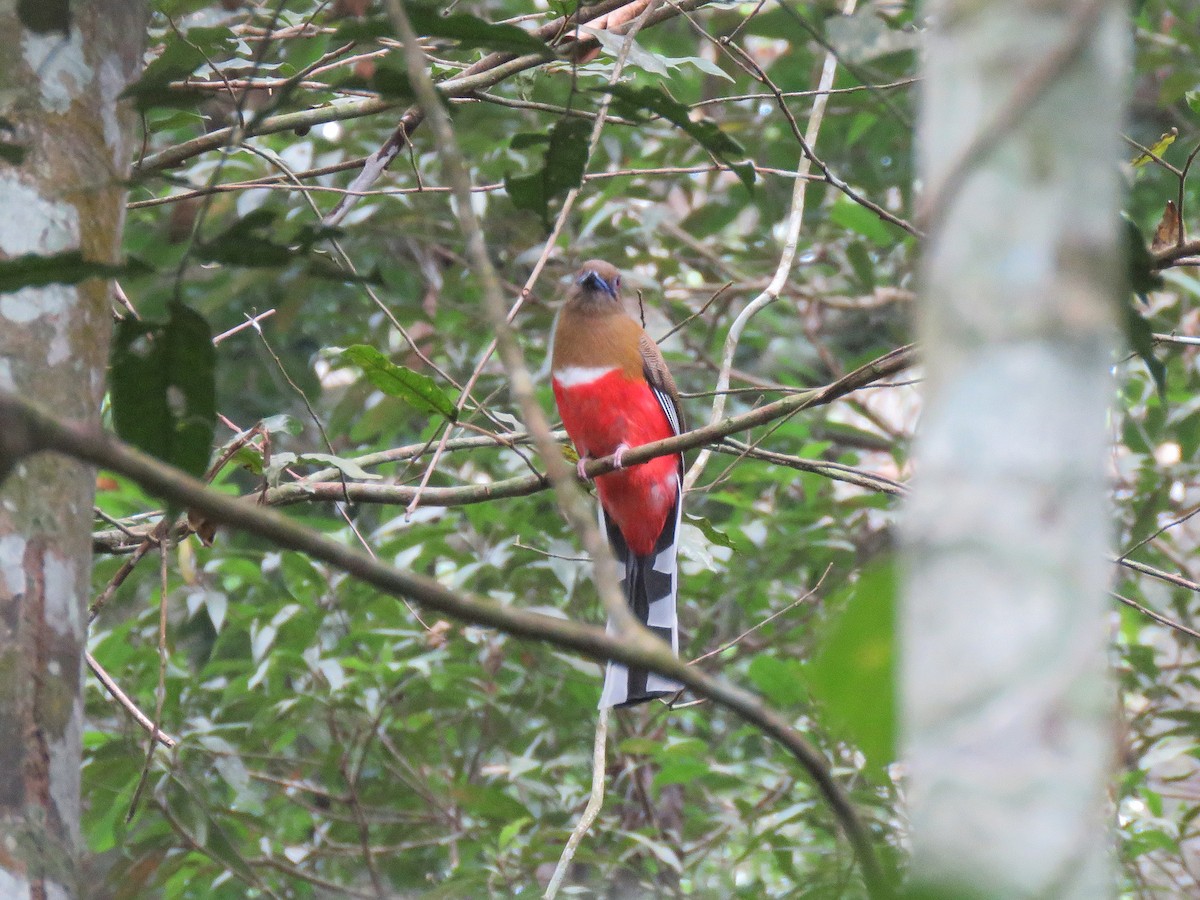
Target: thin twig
<point>1151,155</point>
<point>904,82</point>
<point>152,539</point>
<point>251,321</point>
<point>832,470</point>
<point>127,704</point>
<point>1182,340</point>
<point>277,182</point>
<point>1169,577</point>
<point>364,831</point>
<point>1179,520</point>
<point>161,693</point>
<point>595,799</point>
<point>786,257</point>
<point>1187,167</point>
<point>749,631</point>
<point>1176,255</point>
<point>1157,617</point>
<point>698,313</point>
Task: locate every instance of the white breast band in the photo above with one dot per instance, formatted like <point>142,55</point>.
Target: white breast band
<point>573,376</point>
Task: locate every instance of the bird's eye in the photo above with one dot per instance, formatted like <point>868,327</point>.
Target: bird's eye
<point>617,281</point>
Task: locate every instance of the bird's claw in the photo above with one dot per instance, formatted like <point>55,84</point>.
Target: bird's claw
<point>619,456</point>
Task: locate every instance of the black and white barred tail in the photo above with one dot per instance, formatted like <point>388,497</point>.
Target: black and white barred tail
<point>650,584</point>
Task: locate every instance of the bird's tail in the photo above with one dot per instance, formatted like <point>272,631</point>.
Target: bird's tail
<point>649,583</point>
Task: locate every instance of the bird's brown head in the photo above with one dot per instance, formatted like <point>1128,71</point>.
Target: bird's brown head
<point>598,282</point>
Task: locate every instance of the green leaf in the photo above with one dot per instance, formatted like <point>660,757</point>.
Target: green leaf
<point>853,674</point>
<point>630,101</point>
<point>681,770</point>
<point>349,468</point>
<point>388,79</point>
<point>654,63</point>
<point>635,54</point>
<point>42,16</point>
<point>255,241</point>
<point>1141,340</point>
<point>471,31</point>
<point>68,267</point>
<point>419,390</point>
<point>525,139</point>
<point>720,538</point>
<point>635,746</point>
<point>164,388</point>
<point>467,30</point>
<point>510,831</point>
<point>860,262</point>
<point>706,66</point>
<point>242,244</point>
<point>13,154</point>
<point>1151,840</point>
<point>562,168</point>
<point>181,56</point>
<point>848,214</point>
<point>1142,275</point>
<point>779,680</point>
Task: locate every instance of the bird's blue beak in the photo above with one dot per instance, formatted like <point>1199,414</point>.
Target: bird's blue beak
<point>592,280</point>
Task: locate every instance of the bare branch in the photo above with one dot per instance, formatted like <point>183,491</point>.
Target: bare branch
<point>590,811</point>
<point>114,690</point>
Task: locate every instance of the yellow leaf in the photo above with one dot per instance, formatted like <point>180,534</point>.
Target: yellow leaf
<point>1158,148</point>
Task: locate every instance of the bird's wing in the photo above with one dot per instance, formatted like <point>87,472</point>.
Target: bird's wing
<point>658,376</point>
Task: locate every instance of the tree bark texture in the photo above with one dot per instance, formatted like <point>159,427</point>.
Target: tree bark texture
<point>1007,702</point>
<point>62,188</point>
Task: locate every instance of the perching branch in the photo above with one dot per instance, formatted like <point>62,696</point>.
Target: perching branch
<point>325,485</point>
<point>26,430</point>
<point>1170,256</point>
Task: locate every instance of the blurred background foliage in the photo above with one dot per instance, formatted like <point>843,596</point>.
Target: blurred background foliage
<point>337,743</point>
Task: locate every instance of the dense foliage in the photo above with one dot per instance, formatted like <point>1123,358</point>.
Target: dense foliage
<point>334,741</point>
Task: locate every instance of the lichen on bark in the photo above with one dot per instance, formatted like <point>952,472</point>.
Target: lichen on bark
<point>58,96</point>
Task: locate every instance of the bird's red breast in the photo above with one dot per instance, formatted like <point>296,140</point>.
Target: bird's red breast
<point>602,410</point>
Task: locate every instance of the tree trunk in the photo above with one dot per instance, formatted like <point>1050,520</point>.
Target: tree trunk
<point>67,153</point>
<point>1008,707</point>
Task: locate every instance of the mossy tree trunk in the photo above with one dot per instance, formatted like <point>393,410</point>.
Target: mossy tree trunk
<point>67,147</point>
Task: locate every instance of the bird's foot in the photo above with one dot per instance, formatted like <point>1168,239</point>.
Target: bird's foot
<point>581,465</point>
<point>619,456</point>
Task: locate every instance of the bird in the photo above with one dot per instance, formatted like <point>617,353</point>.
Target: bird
<point>614,392</point>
